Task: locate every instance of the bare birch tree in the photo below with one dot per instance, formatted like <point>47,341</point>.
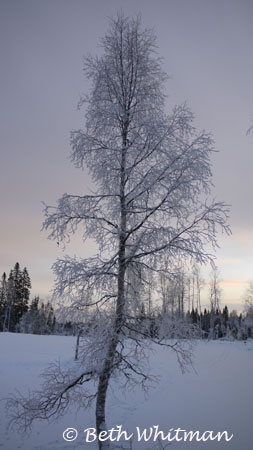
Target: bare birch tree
<point>215,290</point>
<point>248,299</point>
<point>215,296</point>
<point>150,210</point>
<point>197,282</point>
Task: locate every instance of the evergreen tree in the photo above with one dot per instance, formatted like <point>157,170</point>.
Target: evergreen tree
<point>225,314</point>
<point>25,290</point>
<point>18,291</point>
<point>3,300</point>
<point>39,319</point>
<point>8,322</point>
<point>17,309</point>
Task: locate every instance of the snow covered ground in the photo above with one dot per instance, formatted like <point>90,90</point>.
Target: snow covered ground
<point>218,397</point>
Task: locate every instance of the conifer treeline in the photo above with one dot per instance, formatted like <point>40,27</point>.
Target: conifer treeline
<point>17,315</point>
<point>217,324</point>
<point>14,297</point>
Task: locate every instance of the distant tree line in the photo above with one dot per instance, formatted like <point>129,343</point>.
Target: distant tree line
<point>180,301</point>
<point>16,314</point>
<point>14,297</point>
<point>209,325</point>
<point>222,324</point>
<point>39,319</point>
<point>19,314</point>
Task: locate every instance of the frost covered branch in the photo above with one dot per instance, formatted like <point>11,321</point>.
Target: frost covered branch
<point>149,214</point>
<point>59,389</point>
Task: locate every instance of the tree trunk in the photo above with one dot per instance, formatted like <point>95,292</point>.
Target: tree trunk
<point>77,344</point>
<point>119,317</point>
<point>108,364</point>
<point>100,405</point>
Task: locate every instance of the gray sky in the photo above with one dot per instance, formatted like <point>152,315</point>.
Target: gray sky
<point>207,48</point>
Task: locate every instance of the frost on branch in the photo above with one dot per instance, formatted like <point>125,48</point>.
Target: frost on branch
<point>150,211</point>
<point>59,390</point>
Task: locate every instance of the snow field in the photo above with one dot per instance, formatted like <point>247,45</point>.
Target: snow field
<point>216,396</point>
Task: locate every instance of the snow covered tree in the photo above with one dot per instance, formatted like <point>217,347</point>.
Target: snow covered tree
<point>248,308</point>
<point>152,172</point>
<point>25,289</point>
<point>215,290</point>
<point>39,319</point>
<point>18,291</point>
<point>248,298</point>
<point>215,295</point>
<point>172,290</point>
<point>9,324</point>
<point>197,285</point>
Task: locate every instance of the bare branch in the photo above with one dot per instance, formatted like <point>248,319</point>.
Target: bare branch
<point>52,400</point>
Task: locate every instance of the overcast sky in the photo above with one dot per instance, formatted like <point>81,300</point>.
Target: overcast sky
<point>207,47</point>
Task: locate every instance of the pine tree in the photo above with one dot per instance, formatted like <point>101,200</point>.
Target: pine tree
<point>3,300</point>
<point>8,315</point>
<point>17,309</point>
<point>25,290</point>
<point>18,291</point>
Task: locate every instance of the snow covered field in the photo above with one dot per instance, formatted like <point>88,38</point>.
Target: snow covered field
<point>218,397</point>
